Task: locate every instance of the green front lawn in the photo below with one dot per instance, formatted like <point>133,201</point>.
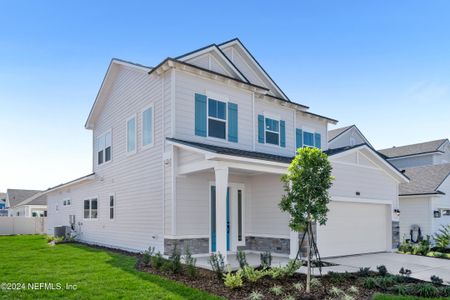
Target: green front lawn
<point>97,274</point>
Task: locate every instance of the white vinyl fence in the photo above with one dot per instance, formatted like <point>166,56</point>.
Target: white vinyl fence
<point>22,225</point>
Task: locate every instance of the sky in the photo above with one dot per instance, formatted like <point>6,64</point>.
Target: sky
<point>382,65</point>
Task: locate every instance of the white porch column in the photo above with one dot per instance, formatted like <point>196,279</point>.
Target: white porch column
<point>221,174</point>
<point>293,244</point>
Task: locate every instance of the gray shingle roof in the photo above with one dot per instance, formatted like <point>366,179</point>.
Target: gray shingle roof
<point>424,179</point>
<point>407,150</point>
<point>41,200</point>
<point>16,196</point>
<point>332,134</point>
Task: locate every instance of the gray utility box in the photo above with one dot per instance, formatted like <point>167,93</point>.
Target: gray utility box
<point>62,231</point>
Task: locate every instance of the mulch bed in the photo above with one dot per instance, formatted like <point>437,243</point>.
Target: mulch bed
<point>207,281</point>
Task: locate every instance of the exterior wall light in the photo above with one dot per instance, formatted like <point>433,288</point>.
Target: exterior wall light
<point>397,211</point>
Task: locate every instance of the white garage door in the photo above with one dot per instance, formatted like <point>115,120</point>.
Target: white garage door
<point>353,228</point>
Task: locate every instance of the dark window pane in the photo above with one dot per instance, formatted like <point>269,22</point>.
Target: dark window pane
<point>216,129</point>
<point>221,108</point>
<point>100,157</point>
<point>239,215</point>
<point>111,213</point>
<point>111,200</point>
<point>94,203</point>
<point>212,108</point>
<point>87,206</point>
<point>272,125</point>
<point>308,139</point>
<point>107,154</point>
<point>271,138</point>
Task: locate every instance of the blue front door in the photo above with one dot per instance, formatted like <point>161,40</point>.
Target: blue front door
<point>213,219</point>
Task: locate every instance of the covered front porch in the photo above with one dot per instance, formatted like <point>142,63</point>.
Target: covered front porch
<point>226,203</point>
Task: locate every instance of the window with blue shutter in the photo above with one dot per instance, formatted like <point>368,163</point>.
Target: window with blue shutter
<point>308,139</point>
<point>232,122</point>
<point>272,131</point>
<point>261,129</point>
<point>298,138</point>
<point>282,134</point>
<point>217,119</point>
<point>317,141</point>
<point>200,115</point>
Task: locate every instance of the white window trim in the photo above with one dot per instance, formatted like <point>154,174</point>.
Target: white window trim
<point>90,208</point>
<point>275,118</point>
<point>313,131</point>
<point>104,148</point>
<point>128,153</point>
<point>109,207</point>
<point>212,97</point>
<point>142,127</point>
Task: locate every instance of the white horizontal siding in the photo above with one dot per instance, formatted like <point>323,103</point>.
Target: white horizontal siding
<point>415,211</point>
<point>441,202</point>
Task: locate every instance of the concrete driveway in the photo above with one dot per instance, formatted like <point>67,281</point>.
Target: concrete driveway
<point>422,267</point>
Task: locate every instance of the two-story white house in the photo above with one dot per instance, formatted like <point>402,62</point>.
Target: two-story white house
<point>190,152</point>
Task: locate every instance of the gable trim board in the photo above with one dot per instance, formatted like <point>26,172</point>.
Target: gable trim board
<point>346,130</point>
<point>209,48</point>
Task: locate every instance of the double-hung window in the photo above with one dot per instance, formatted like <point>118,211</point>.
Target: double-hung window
<point>217,119</point>
<point>104,148</point>
<point>272,131</point>
<point>147,127</point>
<point>131,135</point>
<point>91,208</point>
<point>308,139</point>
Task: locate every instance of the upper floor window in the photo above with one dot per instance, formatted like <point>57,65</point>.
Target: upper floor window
<point>90,208</point>
<point>217,119</point>
<point>308,139</point>
<point>272,131</point>
<point>104,148</point>
<point>131,135</point>
<point>147,127</point>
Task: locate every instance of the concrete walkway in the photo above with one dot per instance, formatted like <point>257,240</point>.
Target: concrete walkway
<point>422,267</point>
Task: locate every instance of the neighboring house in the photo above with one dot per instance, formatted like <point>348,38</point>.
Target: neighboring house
<point>191,152</point>
<point>3,210</point>
<point>425,200</point>
<point>421,154</point>
<point>346,136</point>
<point>26,203</point>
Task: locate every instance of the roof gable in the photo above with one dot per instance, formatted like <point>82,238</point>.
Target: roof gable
<point>250,67</point>
<point>16,196</point>
<point>425,180</point>
<point>348,132</point>
<point>213,59</point>
<point>106,85</point>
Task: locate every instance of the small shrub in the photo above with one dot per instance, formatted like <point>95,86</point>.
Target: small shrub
<point>157,261</point>
<point>444,291</point>
<point>385,282</point>
<point>255,295</point>
<point>241,258</point>
<point>336,292</point>
<point>426,290</point>
<point>315,283</point>
<point>348,297</point>
<point>217,264</point>
<point>382,270</point>
<point>50,238</point>
<point>336,277</point>
<point>364,272</point>
<point>251,274</point>
<point>298,286</point>
<point>147,255</point>
<point>292,266</point>
<point>436,279</point>
<point>233,281</point>
<point>405,272</point>
<point>369,283</point>
<point>174,262</point>
<point>442,237</point>
<point>277,290</point>
<point>289,297</point>
<point>401,289</point>
<point>190,263</point>
<point>406,247</point>
<point>58,240</point>
<point>266,259</point>
<point>353,289</point>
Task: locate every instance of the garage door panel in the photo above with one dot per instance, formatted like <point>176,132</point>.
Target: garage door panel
<point>353,228</point>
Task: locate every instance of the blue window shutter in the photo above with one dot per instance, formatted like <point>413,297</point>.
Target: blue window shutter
<point>261,129</point>
<point>200,115</point>
<point>299,138</point>
<point>232,122</point>
<point>317,143</point>
<point>282,134</point>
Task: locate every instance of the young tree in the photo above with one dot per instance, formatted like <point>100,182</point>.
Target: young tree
<point>306,186</point>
